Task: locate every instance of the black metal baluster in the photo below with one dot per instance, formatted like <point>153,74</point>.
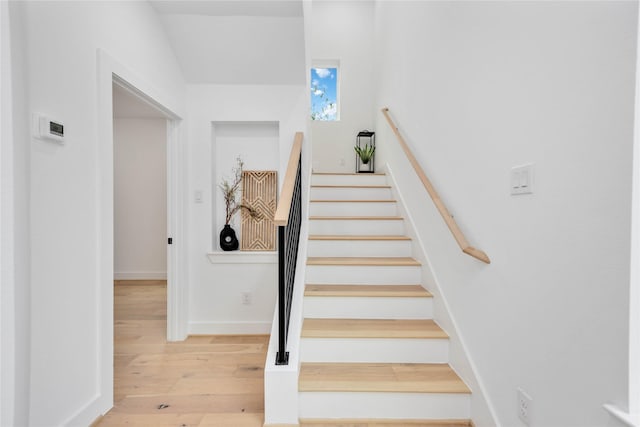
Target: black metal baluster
<point>288,242</point>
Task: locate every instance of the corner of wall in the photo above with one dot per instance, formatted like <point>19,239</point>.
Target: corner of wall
<point>281,382</point>
<point>15,334</point>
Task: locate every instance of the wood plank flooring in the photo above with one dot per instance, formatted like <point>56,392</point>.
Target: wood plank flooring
<point>203,381</point>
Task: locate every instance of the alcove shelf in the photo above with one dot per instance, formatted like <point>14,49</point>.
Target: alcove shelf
<point>243,257</point>
<point>257,144</point>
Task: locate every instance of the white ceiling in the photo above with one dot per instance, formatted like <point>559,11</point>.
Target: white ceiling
<point>236,42</point>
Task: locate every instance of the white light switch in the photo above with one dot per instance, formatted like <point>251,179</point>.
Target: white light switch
<point>522,179</point>
<point>197,197</point>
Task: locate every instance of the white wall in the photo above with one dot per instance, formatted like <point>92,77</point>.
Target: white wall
<point>343,31</point>
<point>69,309</point>
<point>479,87</point>
<point>140,198</point>
<point>216,282</point>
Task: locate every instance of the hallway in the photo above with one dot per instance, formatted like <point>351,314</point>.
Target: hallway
<point>203,381</point>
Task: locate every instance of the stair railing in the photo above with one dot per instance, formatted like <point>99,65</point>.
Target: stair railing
<point>288,218</point>
<point>448,219</point>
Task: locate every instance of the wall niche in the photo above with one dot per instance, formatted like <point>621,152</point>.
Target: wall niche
<point>257,144</point>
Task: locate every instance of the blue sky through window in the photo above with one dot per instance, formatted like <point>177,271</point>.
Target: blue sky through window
<point>324,88</point>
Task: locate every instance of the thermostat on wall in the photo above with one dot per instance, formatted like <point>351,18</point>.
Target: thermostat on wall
<point>50,129</point>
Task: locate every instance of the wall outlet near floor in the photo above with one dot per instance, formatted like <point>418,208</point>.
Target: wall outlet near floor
<point>246,298</point>
<point>524,406</point>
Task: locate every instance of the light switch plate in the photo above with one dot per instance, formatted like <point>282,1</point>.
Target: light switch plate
<point>522,179</point>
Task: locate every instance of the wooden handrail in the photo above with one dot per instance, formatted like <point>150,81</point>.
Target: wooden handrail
<point>281,217</point>
<point>448,219</point>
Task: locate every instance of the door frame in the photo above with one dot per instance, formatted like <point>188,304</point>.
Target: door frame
<point>634,282</point>
<point>111,71</point>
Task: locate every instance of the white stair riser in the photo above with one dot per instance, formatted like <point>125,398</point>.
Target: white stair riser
<point>353,209</point>
<point>360,179</point>
<point>349,193</point>
<point>374,350</point>
<point>384,405</point>
<point>371,227</point>
<point>359,248</point>
<point>364,275</point>
<point>368,307</point>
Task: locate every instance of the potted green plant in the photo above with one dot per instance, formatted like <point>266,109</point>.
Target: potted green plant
<point>365,152</point>
<point>231,191</point>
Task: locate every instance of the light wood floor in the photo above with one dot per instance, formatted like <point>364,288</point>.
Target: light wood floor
<point>203,381</point>
<point>389,423</point>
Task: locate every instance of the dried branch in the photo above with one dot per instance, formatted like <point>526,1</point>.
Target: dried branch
<point>231,191</point>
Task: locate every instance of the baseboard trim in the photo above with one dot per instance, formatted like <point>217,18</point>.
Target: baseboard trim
<point>140,275</point>
<point>632,420</point>
<point>97,421</point>
<point>90,413</point>
<point>229,328</point>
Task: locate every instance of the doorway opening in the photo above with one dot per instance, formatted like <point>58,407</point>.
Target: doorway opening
<point>142,208</point>
<point>139,222</point>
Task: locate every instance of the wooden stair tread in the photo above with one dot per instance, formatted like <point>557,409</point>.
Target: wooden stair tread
<point>354,201</point>
<point>348,237</point>
<point>337,422</point>
<point>366,261</point>
<point>348,173</point>
<point>372,328</point>
<point>357,218</point>
<point>350,186</point>
<point>317,290</point>
<point>380,377</point>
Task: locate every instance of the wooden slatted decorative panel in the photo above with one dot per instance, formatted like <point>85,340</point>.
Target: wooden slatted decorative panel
<point>259,190</point>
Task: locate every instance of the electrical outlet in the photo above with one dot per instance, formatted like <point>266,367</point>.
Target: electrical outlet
<point>342,161</point>
<point>524,406</point>
<point>246,298</point>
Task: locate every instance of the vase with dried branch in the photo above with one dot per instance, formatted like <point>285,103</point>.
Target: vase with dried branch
<point>231,191</point>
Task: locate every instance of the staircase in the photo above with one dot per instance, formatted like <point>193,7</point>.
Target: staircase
<point>371,352</point>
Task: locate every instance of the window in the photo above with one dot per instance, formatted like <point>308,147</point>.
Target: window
<point>324,94</point>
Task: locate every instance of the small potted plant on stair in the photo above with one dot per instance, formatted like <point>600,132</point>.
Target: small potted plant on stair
<point>230,191</point>
<point>365,154</point>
